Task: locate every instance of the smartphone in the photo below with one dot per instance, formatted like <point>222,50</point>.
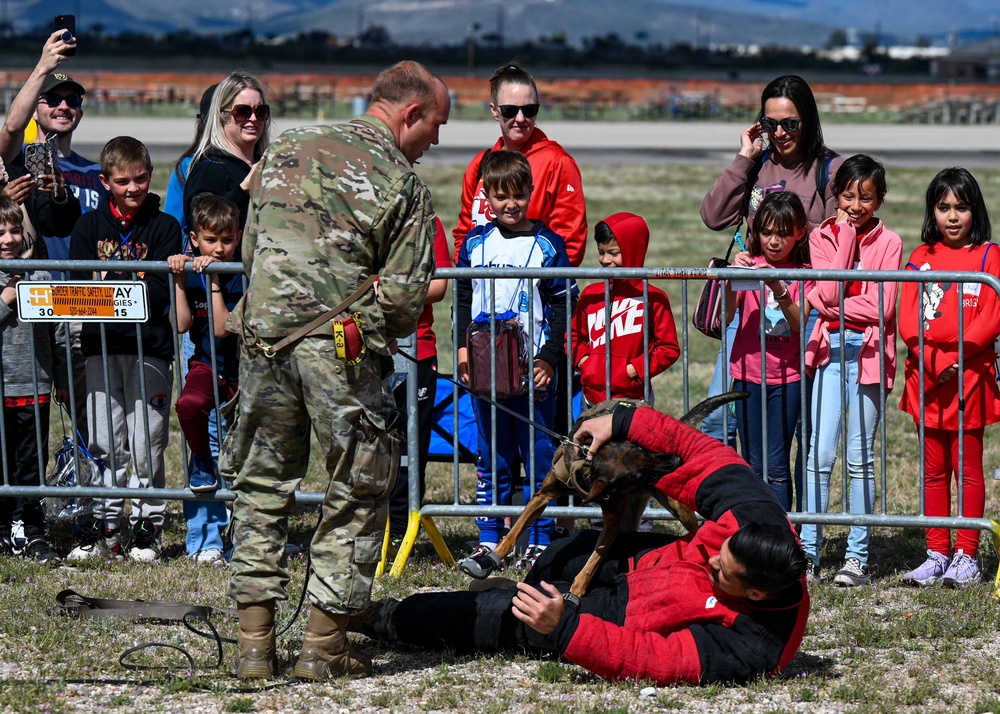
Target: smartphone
<point>40,159</point>
<point>67,23</point>
<point>33,160</point>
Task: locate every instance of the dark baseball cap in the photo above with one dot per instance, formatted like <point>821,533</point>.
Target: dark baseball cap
<point>206,101</point>
<point>57,79</point>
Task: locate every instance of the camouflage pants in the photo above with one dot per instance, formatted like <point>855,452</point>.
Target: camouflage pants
<point>266,454</point>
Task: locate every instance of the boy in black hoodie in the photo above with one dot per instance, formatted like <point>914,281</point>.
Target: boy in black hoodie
<point>128,227</point>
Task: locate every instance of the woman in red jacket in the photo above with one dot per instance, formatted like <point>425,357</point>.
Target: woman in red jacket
<point>727,603</point>
<point>557,198</point>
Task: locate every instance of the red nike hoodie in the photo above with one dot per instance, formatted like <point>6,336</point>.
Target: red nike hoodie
<point>630,315</point>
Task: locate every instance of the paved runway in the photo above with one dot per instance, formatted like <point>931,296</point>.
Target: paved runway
<point>607,143</point>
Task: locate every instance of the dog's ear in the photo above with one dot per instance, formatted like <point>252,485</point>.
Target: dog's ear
<point>703,409</point>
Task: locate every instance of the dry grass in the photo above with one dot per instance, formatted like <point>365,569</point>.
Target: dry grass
<point>882,649</point>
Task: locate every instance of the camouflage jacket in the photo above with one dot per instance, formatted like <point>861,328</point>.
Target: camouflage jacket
<point>330,206</point>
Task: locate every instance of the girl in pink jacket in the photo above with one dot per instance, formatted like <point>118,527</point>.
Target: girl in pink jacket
<point>845,351</point>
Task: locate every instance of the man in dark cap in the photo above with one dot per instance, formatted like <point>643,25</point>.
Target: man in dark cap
<point>55,101</point>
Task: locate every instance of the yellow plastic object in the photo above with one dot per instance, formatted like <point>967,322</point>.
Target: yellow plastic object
<point>31,132</point>
<point>414,523</point>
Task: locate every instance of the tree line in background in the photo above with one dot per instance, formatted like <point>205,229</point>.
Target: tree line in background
<point>375,45</point>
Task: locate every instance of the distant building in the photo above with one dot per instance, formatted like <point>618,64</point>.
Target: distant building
<point>975,61</point>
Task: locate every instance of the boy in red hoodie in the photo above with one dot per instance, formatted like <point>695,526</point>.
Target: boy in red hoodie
<point>638,326</point>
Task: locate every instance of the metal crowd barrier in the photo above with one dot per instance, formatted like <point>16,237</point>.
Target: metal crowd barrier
<point>422,515</point>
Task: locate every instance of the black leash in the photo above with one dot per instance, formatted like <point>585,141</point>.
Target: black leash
<point>558,437</point>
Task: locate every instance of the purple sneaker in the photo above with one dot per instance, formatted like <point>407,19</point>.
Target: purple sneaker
<point>928,572</point>
<point>963,571</point>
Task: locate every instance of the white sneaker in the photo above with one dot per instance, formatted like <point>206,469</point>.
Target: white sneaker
<point>18,541</point>
<point>146,545</point>
<point>209,556</point>
<point>149,553</point>
<point>97,542</point>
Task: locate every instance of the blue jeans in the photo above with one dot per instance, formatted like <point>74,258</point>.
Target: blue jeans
<point>513,438</point>
<point>805,425</point>
<point>718,424</point>
<point>206,520</point>
<point>861,412</point>
<point>783,408</point>
<point>187,352</point>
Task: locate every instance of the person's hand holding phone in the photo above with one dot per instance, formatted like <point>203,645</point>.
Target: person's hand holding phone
<point>55,51</point>
<point>55,184</point>
<point>18,189</point>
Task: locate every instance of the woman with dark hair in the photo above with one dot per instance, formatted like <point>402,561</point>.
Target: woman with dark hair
<point>557,197</point>
<point>236,134</point>
<point>782,150</point>
<point>789,121</point>
<point>173,202</point>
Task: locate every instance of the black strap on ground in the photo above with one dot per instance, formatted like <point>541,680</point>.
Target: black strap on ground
<point>73,604</point>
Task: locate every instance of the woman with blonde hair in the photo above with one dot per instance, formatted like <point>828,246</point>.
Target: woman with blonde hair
<point>237,133</point>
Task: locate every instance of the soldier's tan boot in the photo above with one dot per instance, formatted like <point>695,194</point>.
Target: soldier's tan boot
<point>326,651</point>
<point>257,657</point>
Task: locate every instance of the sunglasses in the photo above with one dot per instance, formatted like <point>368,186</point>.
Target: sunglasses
<point>243,112</point>
<point>73,101</point>
<point>509,111</point>
<point>789,125</point>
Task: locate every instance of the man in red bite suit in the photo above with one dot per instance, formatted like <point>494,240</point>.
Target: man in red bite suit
<point>727,603</point>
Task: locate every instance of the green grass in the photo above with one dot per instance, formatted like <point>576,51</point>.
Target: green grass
<point>882,649</point>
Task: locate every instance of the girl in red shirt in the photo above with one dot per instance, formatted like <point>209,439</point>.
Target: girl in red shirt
<point>956,237</point>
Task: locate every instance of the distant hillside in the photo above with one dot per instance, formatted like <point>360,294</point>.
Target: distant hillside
<point>789,22</point>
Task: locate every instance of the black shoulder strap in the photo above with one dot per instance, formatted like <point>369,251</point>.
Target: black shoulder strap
<point>752,178</point>
<point>823,179</point>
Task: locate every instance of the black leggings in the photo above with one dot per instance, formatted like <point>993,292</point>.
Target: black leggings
<point>484,621</point>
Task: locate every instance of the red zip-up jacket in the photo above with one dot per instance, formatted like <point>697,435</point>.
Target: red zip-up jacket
<point>556,198</point>
<point>677,626</point>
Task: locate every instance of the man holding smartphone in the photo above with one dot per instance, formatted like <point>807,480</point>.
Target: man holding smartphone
<point>55,101</point>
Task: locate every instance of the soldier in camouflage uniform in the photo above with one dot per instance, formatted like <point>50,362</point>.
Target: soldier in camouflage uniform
<point>330,206</point>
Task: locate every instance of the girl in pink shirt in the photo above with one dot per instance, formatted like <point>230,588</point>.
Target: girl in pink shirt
<point>846,352</point>
<point>773,377</point>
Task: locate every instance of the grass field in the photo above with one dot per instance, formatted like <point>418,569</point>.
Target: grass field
<point>880,649</point>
